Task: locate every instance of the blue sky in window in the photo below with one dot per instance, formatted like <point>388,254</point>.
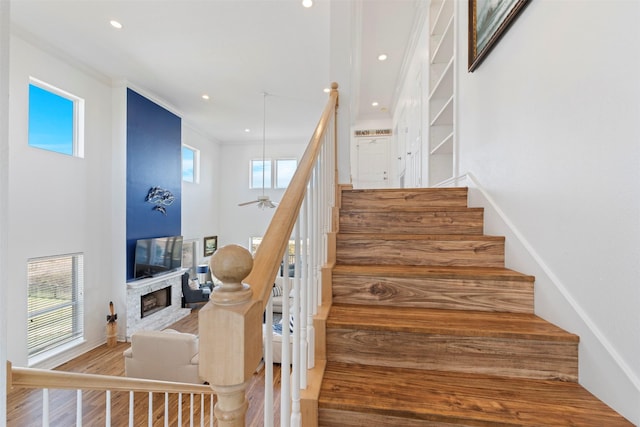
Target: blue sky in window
<point>50,121</point>
<point>188,163</point>
<point>256,173</point>
<point>285,170</point>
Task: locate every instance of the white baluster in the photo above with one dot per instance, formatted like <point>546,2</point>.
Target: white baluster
<point>150,413</point>
<point>45,407</point>
<point>191,410</point>
<point>131,408</point>
<point>268,363</point>
<point>305,296</point>
<point>285,362</point>
<point>211,417</point>
<point>166,409</point>
<point>297,366</point>
<point>107,416</point>
<point>79,408</point>
<point>201,410</point>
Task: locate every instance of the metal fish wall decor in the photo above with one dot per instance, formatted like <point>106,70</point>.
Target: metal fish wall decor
<point>161,198</point>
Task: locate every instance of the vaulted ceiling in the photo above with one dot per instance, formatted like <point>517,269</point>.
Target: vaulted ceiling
<point>231,50</point>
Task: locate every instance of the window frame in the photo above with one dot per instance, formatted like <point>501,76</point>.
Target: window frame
<point>196,163</point>
<point>268,166</point>
<point>272,166</point>
<point>277,169</point>
<point>76,333</point>
<point>78,115</point>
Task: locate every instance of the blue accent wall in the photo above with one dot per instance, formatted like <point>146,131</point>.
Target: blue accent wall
<point>154,150</point>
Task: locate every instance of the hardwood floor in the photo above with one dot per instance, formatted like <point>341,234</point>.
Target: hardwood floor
<point>24,406</point>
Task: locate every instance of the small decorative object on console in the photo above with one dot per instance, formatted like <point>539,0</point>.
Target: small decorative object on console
<point>112,326</point>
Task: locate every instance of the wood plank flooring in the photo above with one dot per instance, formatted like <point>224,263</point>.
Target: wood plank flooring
<point>24,406</point>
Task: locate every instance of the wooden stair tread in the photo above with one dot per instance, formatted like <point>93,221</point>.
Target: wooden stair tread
<point>446,322</point>
<point>444,272</point>
<point>458,398</point>
<point>410,197</point>
<point>436,237</point>
<point>417,210</point>
<point>449,190</point>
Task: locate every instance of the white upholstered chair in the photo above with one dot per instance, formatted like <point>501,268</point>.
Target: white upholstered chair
<point>166,355</point>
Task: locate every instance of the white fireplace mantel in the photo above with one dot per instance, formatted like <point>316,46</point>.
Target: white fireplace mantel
<point>160,319</point>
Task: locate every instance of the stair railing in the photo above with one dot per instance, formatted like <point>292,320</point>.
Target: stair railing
<point>231,325</point>
<point>50,381</point>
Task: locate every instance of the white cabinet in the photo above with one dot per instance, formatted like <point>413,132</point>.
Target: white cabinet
<point>441,96</point>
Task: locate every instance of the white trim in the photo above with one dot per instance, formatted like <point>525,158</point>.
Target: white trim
<point>153,98</point>
<point>555,281</point>
<point>196,164</point>
<point>5,9</point>
<point>77,145</point>
<point>419,21</point>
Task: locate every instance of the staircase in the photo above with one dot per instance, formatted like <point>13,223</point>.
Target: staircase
<point>427,327</point>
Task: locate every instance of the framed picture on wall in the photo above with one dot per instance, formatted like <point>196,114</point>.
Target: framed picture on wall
<point>210,245</point>
<point>488,21</point>
<point>189,256</point>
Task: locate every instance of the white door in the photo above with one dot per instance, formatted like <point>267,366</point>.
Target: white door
<point>372,163</point>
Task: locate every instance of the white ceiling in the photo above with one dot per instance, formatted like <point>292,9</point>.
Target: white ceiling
<point>232,50</point>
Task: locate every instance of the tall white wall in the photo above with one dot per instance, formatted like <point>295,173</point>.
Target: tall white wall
<point>549,125</point>
<point>58,204</point>
<point>201,201</point>
<point>5,38</point>
<point>548,132</point>
<point>239,223</point>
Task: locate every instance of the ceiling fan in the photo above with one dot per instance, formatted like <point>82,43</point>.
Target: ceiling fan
<point>263,201</point>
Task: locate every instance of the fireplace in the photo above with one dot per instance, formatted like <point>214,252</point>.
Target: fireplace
<point>155,301</point>
<point>169,303</point>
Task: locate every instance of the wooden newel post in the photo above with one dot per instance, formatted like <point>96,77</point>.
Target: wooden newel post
<point>230,330</point>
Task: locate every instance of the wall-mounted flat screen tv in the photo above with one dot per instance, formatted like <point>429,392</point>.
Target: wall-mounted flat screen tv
<point>158,255</point>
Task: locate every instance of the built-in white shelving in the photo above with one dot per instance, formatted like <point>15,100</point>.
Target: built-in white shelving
<point>442,88</point>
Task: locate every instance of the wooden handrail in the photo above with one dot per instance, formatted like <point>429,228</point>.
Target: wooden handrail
<point>230,354</point>
<point>43,378</point>
<point>276,239</point>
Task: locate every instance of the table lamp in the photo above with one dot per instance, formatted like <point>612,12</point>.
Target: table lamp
<point>202,270</point>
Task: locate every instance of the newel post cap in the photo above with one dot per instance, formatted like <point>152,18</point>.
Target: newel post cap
<point>231,264</point>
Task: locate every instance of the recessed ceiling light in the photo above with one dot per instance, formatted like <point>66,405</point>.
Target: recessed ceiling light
<point>205,97</point>
<point>326,90</point>
<point>247,130</point>
<point>374,104</point>
<point>307,3</point>
<point>115,24</point>
<point>382,57</point>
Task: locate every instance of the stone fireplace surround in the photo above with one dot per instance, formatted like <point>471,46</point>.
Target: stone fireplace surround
<point>162,318</point>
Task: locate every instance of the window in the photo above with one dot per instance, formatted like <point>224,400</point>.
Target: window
<point>285,168</point>
<point>190,164</point>
<point>283,172</point>
<point>55,302</point>
<point>261,173</point>
<point>55,120</point>
<point>189,251</point>
<point>254,242</point>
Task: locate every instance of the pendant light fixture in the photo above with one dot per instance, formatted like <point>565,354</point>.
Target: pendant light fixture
<point>263,201</point>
